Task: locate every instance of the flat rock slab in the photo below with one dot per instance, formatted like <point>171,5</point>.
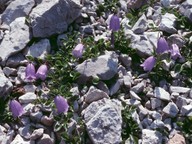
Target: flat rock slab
<point>103,121</point>
<point>15,40</point>
<point>53,16</point>
<point>151,137</point>
<point>104,67</point>
<point>161,94</point>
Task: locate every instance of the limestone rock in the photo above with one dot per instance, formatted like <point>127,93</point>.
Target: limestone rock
<point>53,16</point>
<point>161,94</point>
<point>15,40</point>
<point>103,120</point>
<point>141,25</point>
<point>151,137</point>
<point>104,67</point>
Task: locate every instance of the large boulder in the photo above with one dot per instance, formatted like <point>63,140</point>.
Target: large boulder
<point>53,16</point>
<point>15,40</point>
<point>104,122</point>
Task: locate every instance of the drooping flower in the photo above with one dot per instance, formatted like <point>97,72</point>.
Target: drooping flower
<point>149,63</point>
<point>175,53</point>
<point>42,72</point>
<point>114,23</point>
<point>78,51</point>
<point>30,72</point>
<point>162,46</point>
<point>61,104</point>
<point>16,108</point>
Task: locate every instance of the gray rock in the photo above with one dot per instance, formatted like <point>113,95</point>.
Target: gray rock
<point>166,65</point>
<point>30,88</point>
<point>179,89</point>
<point>141,25</point>
<point>155,103</point>
<point>15,40</point>
<point>166,3</point>
<point>92,67</point>
<point>126,60</point>
<point>28,97</point>
<point>36,116</point>
<point>15,60</point>
<point>151,137</point>
<point>186,109</point>
<point>186,9</point>
<point>127,79</point>
<point>134,95</point>
<point>142,112</point>
<point>168,123</point>
<point>102,86</point>
<point>25,131</point>
<point>37,133</point>
<point>171,109</point>
<point>88,29</point>
<point>181,101</point>
<point>132,102</point>
<point>39,49</point>
<point>19,140</point>
<point>146,122</point>
<point>17,8</point>
<point>115,87</point>
<point>48,121</point>
<point>61,38</point>
<point>157,124</point>
<point>9,71</point>
<point>168,23</point>
<point>94,94</point>
<point>161,94</point>
<point>45,139</point>
<point>5,85</point>
<point>135,117</point>
<point>53,17</point>
<point>138,88</point>
<point>103,120</point>
<point>21,73</point>
<point>153,37</point>
<point>176,39</point>
<point>75,91</point>
<point>156,115</point>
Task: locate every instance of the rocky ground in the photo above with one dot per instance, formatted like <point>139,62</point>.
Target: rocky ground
<point>112,99</point>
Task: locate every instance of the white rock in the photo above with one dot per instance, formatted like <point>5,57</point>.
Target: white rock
<point>186,109</point>
<point>134,95</point>
<point>171,109</point>
<point>19,140</point>
<point>28,97</point>
<point>179,89</point>
<point>161,94</point>
<point>151,137</point>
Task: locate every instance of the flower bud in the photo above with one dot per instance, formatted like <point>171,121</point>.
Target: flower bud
<point>149,63</point>
<point>114,23</point>
<point>175,53</point>
<point>162,46</point>
<point>42,72</point>
<point>30,72</point>
<point>61,104</point>
<point>16,108</point>
<point>78,51</point>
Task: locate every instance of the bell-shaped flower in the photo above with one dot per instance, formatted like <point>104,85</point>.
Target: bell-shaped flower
<point>30,72</point>
<point>42,72</point>
<point>61,104</point>
<point>149,63</point>
<point>175,53</point>
<point>162,46</point>
<point>16,108</point>
<point>114,23</point>
<point>78,51</point>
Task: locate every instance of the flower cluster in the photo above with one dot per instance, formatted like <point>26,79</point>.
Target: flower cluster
<point>162,47</point>
<point>41,73</point>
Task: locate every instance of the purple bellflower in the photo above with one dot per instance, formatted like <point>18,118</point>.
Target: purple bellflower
<point>42,72</point>
<point>175,53</point>
<point>78,51</point>
<point>61,104</point>
<point>149,63</point>
<point>114,23</point>
<point>162,46</point>
<point>30,72</point>
<point>16,108</point>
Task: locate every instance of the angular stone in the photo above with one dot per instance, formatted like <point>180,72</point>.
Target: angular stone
<point>9,71</point>
<point>115,87</point>
<point>134,95</point>
<point>186,9</point>
<point>53,16</point>
<point>155,103</point>
<point>157,124</point>
<point>179,89</point>
<point>177,139</point>
<point>126,60</point>
<point>142,112</point>
<point>37,133</point>
<point>16,60</point>
<point>15,40</point>
<point>28,97</point>
<point>146,122</point>
<point>185,110</point>
<point>151,137</point>
<point>17,8</point>
<point>171,109</point>
<point>103,120</point>
<point>161,94</point>
<point>181,101</point>
<point>92,67</point>
<point>141,25</point>
<point>39,49</point>
<point>138,88</point>
<point>132,102</point>
<point>94,94</point>
<point>168,23</point>
<point>25,131</point>
<point>45,139</point>
<point>19,140</point>
<point>102,86</point>
<point>127,81</point>
<point>48,121</point>
<point>5,85</point>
